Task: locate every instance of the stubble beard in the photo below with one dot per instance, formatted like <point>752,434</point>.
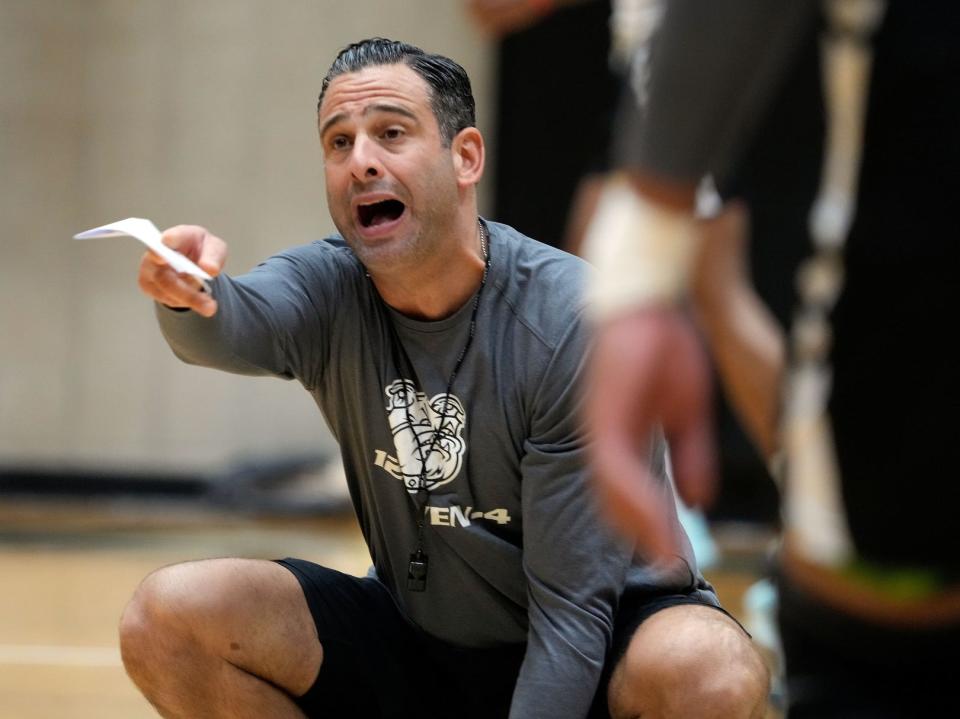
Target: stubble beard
<point>416,247</point>
<point>390,255</point>
<point>423,242</point>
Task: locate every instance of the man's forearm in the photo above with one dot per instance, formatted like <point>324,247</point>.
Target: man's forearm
<point>232,340</point>
<point>546,690</point>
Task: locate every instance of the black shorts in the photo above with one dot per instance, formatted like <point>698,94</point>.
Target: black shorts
<point>378,665</point>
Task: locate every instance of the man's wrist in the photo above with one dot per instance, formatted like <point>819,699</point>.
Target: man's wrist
<point>643,251</point>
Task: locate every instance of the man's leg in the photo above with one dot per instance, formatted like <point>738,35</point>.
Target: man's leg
<point>221,638</point>
<point>689,661</point>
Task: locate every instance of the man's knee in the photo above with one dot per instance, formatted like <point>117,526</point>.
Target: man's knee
<point>155,619</point>
<point>191,617</point>
<point>174,611</point>
<point>690,661</point>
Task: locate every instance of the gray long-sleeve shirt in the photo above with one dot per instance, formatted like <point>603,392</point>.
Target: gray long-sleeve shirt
<point>516,550</point>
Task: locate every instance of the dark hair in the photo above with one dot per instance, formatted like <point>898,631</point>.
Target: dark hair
<point>451,98</point>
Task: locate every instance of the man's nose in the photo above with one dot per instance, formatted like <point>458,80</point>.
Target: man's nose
<point>365,160</point>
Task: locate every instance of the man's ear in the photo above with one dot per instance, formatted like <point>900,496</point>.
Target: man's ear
<point>468,155</point>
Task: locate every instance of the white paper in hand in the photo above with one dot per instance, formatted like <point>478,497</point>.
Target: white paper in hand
<point>148,234</point>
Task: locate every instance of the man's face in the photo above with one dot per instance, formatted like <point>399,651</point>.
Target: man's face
<point>391,185</point>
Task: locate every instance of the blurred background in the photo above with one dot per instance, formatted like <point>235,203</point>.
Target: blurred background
<point>115,458</point>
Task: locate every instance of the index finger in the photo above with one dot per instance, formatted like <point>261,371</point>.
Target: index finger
<point>188,240</point>
<point>213,255</point>
<point>207,250</point>
<point>185,239</point>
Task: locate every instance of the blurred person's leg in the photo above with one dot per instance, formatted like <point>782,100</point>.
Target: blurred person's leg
<point>582,208</point>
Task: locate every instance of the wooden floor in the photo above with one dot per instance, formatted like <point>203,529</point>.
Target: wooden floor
<point>66,571</point>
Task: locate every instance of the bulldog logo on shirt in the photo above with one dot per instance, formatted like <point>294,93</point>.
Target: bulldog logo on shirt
<point>415,423</point>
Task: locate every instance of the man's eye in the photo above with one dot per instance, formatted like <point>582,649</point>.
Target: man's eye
<point>393,133</point>
<point>339,143</point>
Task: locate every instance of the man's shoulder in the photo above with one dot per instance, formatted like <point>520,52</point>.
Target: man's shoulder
<point>538,265</point>
<point>328,261</point>
<point>542,284</point>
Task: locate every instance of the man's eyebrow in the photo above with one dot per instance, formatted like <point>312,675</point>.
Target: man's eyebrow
<point>386,107</point>
<point>379,107</point>
<point>331,121</point>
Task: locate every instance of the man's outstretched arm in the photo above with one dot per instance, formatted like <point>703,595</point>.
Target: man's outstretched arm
<point>254,324</point>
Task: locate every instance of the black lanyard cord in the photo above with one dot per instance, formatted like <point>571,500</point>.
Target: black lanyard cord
<point>417,569</point>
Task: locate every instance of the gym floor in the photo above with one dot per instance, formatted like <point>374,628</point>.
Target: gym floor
<point>68,568</point>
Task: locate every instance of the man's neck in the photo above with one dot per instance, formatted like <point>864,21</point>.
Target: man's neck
<point>439,288</point>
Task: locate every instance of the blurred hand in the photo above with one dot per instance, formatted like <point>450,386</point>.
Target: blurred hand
<point>502,17</point>
<point>648,368</point>
<point>160,282</point>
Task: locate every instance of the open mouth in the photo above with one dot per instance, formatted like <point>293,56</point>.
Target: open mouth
<point>377,213</point>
